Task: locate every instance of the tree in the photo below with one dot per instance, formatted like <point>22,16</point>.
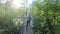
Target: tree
<point>45,15</point>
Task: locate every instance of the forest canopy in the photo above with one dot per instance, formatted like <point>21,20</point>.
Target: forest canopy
<point>45,16</point>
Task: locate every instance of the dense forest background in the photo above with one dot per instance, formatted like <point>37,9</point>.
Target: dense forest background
<point>45,15</point>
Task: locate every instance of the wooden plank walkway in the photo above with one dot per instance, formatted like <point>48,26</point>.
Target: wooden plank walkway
<point>24,30</point>
<point>28,30</point>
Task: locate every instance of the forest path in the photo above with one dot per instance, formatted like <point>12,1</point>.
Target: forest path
<point>27,26</point>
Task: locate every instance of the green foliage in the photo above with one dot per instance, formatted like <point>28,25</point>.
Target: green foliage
<point>10,18</point>
<point>38,32</point>
<point>45,16</point>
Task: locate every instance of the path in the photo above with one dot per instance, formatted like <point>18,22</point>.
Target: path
<point>29,28</point>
